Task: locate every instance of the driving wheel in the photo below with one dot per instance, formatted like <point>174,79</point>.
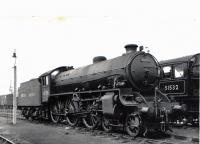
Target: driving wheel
<point>70,110</point>
<point>55,108</point>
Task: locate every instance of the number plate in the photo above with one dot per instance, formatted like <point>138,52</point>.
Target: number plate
<point>173,87</point>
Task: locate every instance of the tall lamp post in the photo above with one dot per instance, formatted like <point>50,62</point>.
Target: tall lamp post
<point>15,89</point>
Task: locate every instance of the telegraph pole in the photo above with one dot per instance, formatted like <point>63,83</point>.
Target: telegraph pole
<point>15,89</point>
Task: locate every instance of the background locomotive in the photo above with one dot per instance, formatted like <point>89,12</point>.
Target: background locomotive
<point>6,101</point>
<point>180,80</point>
<point>115,93</point>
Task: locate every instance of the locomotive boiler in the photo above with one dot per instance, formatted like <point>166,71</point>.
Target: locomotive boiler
<point>137,70</point>
<point>120,92</point>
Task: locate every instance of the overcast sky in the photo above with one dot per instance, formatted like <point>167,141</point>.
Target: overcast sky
<point>48,35</point>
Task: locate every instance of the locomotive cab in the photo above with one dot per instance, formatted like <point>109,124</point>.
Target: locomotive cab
<point>47,82</point>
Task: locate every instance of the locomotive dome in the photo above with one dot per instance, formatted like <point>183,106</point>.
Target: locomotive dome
<point>99,59</point>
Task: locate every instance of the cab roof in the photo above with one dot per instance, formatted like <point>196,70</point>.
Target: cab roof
<point>178,60</point>
<point>62,68</point>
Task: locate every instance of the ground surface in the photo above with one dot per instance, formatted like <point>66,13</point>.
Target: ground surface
<point>25,132</point>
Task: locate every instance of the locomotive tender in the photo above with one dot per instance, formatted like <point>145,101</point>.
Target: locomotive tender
<point>120,92</point>
<point>180,80</point>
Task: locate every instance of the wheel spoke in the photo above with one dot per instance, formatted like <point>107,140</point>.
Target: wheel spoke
<point>91,119</point>
<point>69,108</point>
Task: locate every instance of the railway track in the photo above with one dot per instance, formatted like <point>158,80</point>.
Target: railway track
<point>153,138</point>
<point>119,135</point>
<point>4,140</point>
<point>7,113</point>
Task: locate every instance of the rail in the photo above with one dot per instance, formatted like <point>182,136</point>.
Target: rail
<point>4,140</point>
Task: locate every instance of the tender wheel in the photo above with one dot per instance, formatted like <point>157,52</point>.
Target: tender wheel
<point>25,113</point>
<point>91,120</point>
<point>105,125</point>
<point>132,125</point>
<point>54,110</point>
<point>70,110</point>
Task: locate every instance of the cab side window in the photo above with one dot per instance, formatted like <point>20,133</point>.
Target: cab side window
<point>54,74</point>
<point>179,70</point>
<point>45,81</point>
<point>167,71</point>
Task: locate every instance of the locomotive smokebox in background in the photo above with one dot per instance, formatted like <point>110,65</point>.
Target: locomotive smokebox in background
<point>99,59</point>
<point>131,48</point>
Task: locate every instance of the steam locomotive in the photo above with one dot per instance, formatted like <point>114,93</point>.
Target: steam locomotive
<point>180,80</point>
<point>120,92</point>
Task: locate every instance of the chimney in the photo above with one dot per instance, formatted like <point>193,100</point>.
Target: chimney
<point>131,48</point>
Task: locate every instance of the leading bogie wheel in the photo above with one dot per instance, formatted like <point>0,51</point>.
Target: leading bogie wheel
<point>106,124</point>
<point>132,125</point>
